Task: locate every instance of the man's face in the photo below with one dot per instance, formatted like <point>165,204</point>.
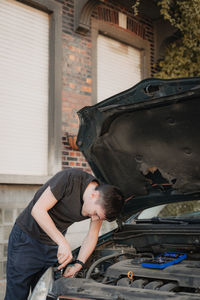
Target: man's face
<point>92,208</point>
<point>96,212</point>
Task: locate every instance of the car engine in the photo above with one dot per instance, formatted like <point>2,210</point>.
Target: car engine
<point>183,277</point>
<point>120,275</point>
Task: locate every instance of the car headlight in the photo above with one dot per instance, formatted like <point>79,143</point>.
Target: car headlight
<point>43,286</point>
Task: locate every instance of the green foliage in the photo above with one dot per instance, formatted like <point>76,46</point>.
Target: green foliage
<point>182,57</point>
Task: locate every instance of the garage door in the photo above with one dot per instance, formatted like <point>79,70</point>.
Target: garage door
<point>118,67</point>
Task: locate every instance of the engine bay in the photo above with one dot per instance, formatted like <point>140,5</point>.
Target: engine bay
<point>120,274</point>
<point>116,268</point>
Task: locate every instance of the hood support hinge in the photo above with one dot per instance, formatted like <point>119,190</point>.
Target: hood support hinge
<point>119,223</point>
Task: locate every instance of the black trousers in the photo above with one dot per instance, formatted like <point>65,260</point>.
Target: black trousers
<point>27,260</point>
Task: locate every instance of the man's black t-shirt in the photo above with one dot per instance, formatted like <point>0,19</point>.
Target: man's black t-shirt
<point>68,187</point>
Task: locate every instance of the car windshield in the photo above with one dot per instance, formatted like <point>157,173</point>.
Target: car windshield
<point>182,210</point>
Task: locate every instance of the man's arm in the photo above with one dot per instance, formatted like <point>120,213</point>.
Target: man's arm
<point>40,214</point>
<point>87,247</point>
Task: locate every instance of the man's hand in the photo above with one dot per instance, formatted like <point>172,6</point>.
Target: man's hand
<point>64,254</point>
<point>87,248</point>
<point>72,270</point>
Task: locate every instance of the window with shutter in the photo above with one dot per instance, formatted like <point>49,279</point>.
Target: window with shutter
<point>24,89</point>
<point>118,67</point>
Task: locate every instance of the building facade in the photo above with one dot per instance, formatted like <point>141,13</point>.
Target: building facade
<point>58,56</point>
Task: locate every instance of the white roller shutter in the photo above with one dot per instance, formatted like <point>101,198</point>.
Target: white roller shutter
<point>24,55</point>
<point>118,67</point>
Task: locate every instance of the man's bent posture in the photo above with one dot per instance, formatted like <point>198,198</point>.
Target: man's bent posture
<point>37,240</point>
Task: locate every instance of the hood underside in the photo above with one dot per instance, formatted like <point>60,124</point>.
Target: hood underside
<point>145,136</point>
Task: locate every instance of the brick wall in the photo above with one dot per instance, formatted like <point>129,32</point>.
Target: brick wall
<point>7,218</point>
<point>72,158</point>
<point>76,80</point>
<point>77,68</point>
<point>13,199</point>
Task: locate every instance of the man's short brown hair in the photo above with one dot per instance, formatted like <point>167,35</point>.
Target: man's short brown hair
<point>111,199</point>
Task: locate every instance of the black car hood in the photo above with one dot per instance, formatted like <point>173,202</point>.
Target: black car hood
<point>146,141</point>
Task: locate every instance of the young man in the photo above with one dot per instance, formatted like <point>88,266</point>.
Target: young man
<point>37,240</point>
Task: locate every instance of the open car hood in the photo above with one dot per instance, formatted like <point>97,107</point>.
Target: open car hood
<point>146,141</point>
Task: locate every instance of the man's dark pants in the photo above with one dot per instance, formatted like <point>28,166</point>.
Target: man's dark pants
<point>27,260</point>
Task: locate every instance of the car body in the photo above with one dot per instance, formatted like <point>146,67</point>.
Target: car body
<point>144,140</point>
